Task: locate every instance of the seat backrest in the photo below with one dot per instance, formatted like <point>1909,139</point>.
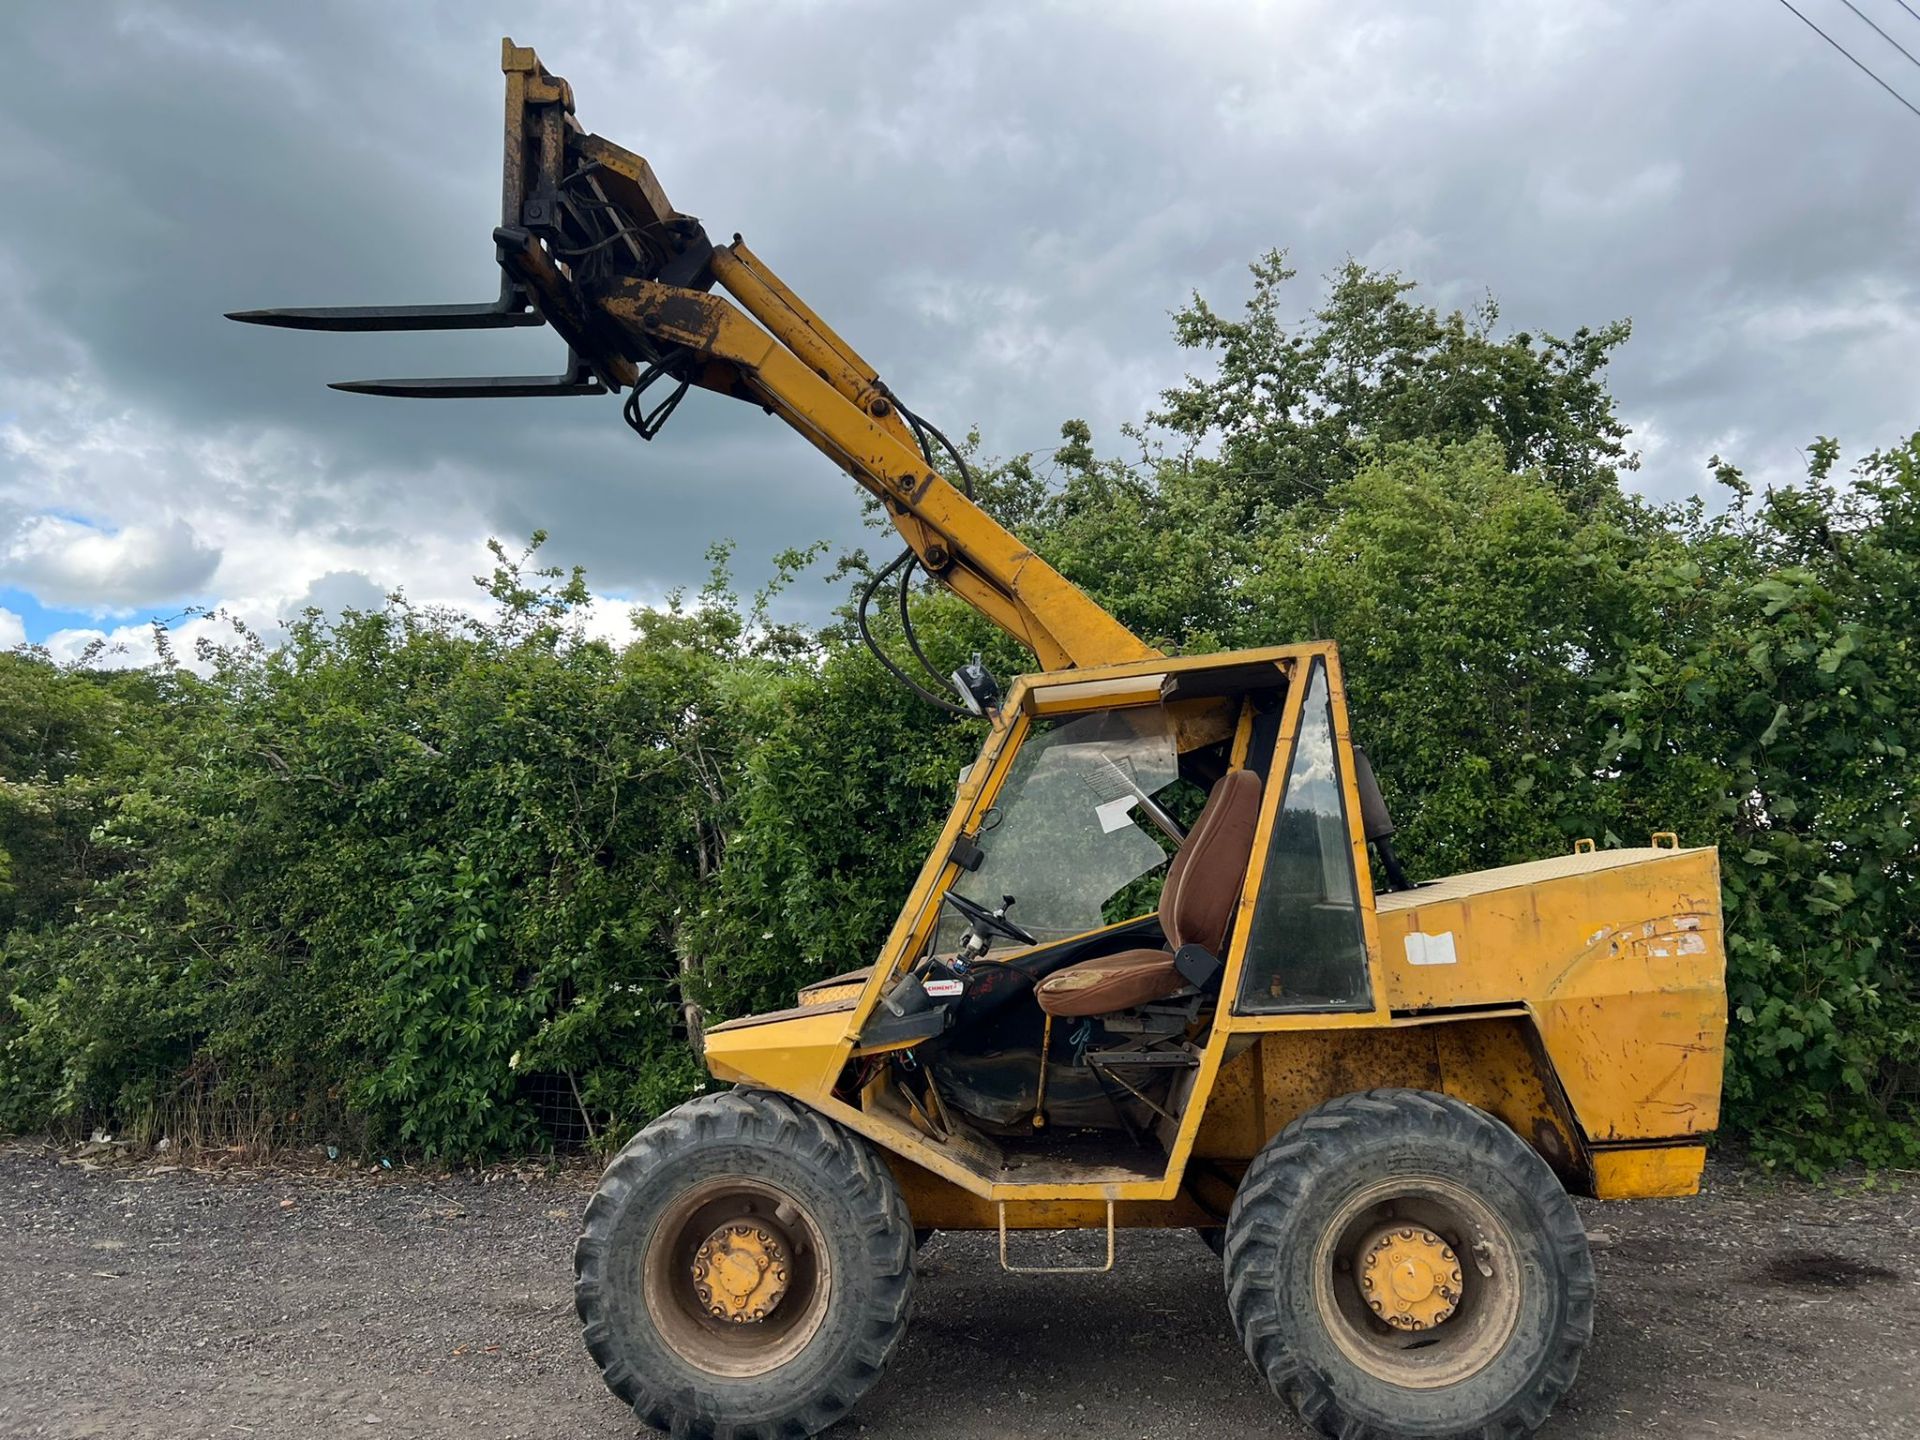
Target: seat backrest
<point>1203,883</point>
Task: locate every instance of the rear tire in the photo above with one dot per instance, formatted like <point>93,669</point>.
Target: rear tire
<point>683,1328</point>
<point>1450,1218</point>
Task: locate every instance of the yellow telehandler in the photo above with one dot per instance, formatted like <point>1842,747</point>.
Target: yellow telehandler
<point>1144,978</point>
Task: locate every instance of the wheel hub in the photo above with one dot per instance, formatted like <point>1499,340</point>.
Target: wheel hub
<point>740,1273</point>
<point>1409,1277</point>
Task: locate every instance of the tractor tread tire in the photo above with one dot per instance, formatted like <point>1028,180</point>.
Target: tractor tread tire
<point>1276,1198</point>
<point>880,1242</point>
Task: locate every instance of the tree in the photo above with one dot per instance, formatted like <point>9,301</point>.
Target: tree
<point>1294,411</point>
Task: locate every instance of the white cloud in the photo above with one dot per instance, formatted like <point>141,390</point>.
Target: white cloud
<point>126,647</point>
<point>71,565</point>
<point>13,630</point>
<point>133,646</point>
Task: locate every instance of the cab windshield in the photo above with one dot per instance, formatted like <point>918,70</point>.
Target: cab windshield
<point>1070,829</point>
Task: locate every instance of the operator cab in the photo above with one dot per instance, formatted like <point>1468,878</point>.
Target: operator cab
<point>1069,985</point>
<point>1146,866</point>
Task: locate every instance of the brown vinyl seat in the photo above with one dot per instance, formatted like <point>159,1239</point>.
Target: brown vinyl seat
<point>1196,907</point>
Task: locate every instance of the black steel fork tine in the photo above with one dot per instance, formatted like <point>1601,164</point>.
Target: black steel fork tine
<point>507,309</point>
<point>577,379</point>
<point>490,316</point>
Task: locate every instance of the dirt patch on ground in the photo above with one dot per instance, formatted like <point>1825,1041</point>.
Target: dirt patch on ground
<point>145,1302</point>
<point>1822,1268</point>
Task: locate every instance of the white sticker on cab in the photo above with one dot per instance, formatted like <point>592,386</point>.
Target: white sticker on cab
<point>1115,814</point>
<point>1424,949</point>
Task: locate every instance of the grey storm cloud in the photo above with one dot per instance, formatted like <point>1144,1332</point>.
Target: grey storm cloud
<point>1000,204</point>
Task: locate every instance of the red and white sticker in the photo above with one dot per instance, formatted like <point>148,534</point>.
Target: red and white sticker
<point>945,989</point>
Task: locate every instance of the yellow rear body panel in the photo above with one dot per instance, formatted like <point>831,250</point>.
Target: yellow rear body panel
<point>1616,953</point>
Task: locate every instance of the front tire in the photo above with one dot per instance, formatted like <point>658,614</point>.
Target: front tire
<point>746,1269</point>
<point>1401,1265</point>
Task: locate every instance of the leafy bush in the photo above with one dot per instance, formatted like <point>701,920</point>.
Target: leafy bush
<point>393,879</point>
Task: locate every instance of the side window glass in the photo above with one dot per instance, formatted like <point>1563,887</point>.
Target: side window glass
<point>1306,947</point>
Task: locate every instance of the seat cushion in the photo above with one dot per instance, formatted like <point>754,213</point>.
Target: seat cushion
<point>1203,883</point>
<point>1110,983</point>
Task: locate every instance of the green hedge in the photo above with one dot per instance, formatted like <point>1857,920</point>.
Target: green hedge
<point>396,879</point>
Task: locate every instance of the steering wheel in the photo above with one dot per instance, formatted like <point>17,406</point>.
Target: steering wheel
<point>983,919</point>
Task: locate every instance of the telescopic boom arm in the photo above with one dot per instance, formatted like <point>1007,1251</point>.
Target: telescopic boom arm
<point>589,245</point>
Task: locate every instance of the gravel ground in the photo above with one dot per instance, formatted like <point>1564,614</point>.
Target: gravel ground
<point>140,1301</point>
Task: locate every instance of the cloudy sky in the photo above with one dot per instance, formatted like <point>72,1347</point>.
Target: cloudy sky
<point>1000,204</point>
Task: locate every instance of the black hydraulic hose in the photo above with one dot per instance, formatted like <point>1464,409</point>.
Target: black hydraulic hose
<point>922,430</point>
<point>925,435</point>
<point>959,460</point>
<point>906,621</point>
<point>860,619</point>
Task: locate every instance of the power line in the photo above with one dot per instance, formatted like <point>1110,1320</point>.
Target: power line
<point>1849,54</point>
<point>1878,31</point>
<point>1908,8</point>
